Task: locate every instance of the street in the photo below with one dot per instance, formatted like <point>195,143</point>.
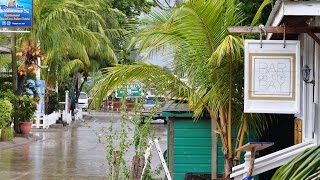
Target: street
<point>75,153</point>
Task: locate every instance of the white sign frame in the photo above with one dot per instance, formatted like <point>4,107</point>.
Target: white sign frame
<point>272,77</point>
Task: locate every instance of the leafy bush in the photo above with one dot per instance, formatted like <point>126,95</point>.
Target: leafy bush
<point>10,96</point>
<point>5,113</point>
<point>6,86</point>
<point>7,134</point>
<point>26,109</point>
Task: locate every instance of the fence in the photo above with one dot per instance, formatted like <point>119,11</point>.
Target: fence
<point>45,121</point>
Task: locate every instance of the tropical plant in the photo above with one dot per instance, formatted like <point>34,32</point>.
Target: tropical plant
<point>205,53</point>
<point>304,166</point>
<point>133,7</point>
<point>71,41</point>
<point>5,113</point>
<point>27,108</point>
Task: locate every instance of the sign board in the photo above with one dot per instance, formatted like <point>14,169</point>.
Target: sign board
<point>131,90</point>
<point>40,88</point>
<point>272,76</point>
<point>16,13</point>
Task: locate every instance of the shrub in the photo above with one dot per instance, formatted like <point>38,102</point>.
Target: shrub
<point>27,108</point>
<point>10,96</point>
<point>7,134</point>
<point>5,113</point>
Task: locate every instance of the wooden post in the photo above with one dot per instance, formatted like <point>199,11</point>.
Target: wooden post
<point>297,131</point>
<point>171,146</point>
<point>138,162</point>
<point>253,154</point>
<point>214,151</point>
<point>115,165</point>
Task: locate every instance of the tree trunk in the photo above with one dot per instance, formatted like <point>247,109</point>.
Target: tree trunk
<point>230,109</point>
<point>14,76</point>
<point>228,164</point>
<point>115,165</point>
<point>138,162</point>
<point>73,96</point>
<point>226,152</point>
<point>14,63</point>
<point>22,81</point>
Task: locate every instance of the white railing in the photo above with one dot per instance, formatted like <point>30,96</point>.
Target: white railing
<point>52,118</point>
<point>270,161</point>
<point>46,120</point>
<point>66,116</point>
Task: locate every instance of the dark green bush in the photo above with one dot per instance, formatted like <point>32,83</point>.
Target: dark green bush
<point>53,103</point>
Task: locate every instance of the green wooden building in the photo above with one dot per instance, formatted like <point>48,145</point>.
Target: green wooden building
<point>189,144</point>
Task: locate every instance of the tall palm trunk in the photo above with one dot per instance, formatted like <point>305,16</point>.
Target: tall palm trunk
<point>228,164</point>
<point>226,150</point>
<point>228,157</point>
<point>14,63</point>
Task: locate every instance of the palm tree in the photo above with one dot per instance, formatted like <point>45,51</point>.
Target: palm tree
<point>205,53</point>
<point>69,39</point>
<point>303,166</point>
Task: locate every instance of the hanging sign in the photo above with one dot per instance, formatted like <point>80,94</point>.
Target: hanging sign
<point>16,13</point>
<point>131,90</point>
<point>272,76</point>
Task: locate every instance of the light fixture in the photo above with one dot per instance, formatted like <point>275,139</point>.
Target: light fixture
<point>306,74</point>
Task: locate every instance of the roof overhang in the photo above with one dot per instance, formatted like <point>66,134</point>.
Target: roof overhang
<point>292,14</point>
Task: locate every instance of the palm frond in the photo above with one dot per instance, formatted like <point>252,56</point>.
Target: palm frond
<point>70,67</point>
<point>258,14</point>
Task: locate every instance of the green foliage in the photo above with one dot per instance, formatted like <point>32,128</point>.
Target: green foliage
<point>53,103</point>
<point>132,7</point>
<point>5,113</point>
<point>118,139</point>
<point>26,109</point>
<point>5,61</point>
<point>195,34</point>
<point>303,166</point>
<point>9,95</point>
<point>6,86</point>
<point>7,134</point>
<point>256,12</point>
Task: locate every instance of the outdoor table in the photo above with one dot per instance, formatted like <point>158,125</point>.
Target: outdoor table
<point>252,148</point>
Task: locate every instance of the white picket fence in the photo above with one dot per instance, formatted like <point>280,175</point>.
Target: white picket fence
<point>43,122</point>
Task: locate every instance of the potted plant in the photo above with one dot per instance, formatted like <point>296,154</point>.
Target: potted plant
<point>27,108</point>
<point>5,113</point>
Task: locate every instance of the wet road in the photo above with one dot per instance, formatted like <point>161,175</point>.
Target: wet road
<point>75,153</point>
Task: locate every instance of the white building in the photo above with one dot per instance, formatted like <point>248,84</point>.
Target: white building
<point>302,20</point>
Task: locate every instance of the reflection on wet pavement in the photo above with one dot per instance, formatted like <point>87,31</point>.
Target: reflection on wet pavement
<point>72,154</point>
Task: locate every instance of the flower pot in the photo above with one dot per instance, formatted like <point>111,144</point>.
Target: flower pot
<point>25,127</point>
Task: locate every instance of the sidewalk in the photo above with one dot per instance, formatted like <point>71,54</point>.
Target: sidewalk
<point>22,139</point>
<point>19,140</point>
